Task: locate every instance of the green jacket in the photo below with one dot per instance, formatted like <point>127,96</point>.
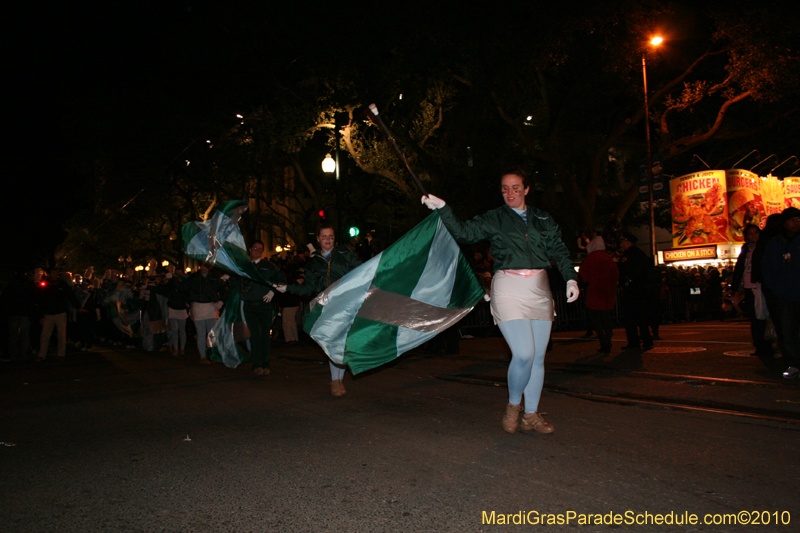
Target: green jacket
<point>514,245</point>
<point>252,291</point>
<point>320,273</point>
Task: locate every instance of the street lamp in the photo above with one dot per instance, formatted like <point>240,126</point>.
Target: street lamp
<point>655,41</point>
<point>328,164</point>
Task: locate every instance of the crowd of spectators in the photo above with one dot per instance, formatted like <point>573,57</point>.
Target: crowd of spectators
<point>45,312</point>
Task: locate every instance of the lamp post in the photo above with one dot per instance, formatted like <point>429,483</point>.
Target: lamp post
<point>655,41</point>
<point>332,165</point>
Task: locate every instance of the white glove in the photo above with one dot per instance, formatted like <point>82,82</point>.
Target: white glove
<point>280,288</point>
<point>225,277</point>
<point>268,297</point>
<point>432,202</point>
<point>572,291</point>
<point>487,297</point>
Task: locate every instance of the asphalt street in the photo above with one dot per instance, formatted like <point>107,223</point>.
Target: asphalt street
<point>124,440</point>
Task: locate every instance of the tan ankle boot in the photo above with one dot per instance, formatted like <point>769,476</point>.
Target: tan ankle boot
<point>336,388</point>
<point>511,418</point>
<point>534,422</point>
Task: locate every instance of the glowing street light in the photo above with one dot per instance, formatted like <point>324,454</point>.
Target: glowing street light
<point>655,41</point>
<point>328,164</point>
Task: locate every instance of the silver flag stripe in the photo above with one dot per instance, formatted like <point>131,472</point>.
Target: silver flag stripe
<point>398,310</point>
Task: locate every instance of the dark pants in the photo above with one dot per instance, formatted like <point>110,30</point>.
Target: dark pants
<point>789,332</point>
<point>259,321</point>
<point>19,337</point>
<point>655,314</point>
<point>603,325</point>
<point>637,315</point>
<point>85,325</point>
<point>757,327</point>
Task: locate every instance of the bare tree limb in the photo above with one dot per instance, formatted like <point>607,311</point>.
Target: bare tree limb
<point>693,140</point>
<point>210,209</point>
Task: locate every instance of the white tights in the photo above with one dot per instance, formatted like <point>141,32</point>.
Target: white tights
<point>528,342</point>
<point>337,372</point>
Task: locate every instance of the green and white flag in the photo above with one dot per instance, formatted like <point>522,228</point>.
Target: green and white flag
<point>219,242</point>
<point>416,288</point>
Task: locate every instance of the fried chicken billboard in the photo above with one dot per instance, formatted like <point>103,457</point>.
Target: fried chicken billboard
<point>699,208</point>
<point>745,202</point>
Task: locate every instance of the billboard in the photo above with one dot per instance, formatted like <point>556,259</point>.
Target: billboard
<point>791,192</point>
<point>745,202</point>
<point>772,194</point>
<point>699,208</point>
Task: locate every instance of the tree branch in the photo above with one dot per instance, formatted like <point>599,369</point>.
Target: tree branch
<point>391,176</point>
<point>693,140</point>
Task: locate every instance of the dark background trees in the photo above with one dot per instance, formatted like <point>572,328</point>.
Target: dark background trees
<point>125,96</point>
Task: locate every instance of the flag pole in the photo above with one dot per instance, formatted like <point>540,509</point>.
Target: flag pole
<point>376,118</point>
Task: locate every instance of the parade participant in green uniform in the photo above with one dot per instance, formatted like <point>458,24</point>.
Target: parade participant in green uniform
<point>524,240</point>
<point>256,299</point>
<point>325,267</point>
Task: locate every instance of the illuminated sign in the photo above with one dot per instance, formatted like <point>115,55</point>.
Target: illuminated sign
<point>699,208</point>
<point>690,254</point>
<point>791,192</point>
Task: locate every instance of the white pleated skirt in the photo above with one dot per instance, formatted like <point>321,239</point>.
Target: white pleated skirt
<point>515,297</point>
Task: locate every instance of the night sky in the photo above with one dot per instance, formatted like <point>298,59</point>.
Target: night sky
<point>143,80</point>
<point>138,80</point>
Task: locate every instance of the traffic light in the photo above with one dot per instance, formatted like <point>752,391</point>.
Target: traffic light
<point>322,214</point>
<point>353,231</point>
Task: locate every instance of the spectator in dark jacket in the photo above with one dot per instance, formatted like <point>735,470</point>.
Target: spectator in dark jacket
<point>635,270</point>
<point>781,270</point>
<point>54,299</point>
<point>204,292</point>
<point>744,283</point>
<point>177,311</point>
